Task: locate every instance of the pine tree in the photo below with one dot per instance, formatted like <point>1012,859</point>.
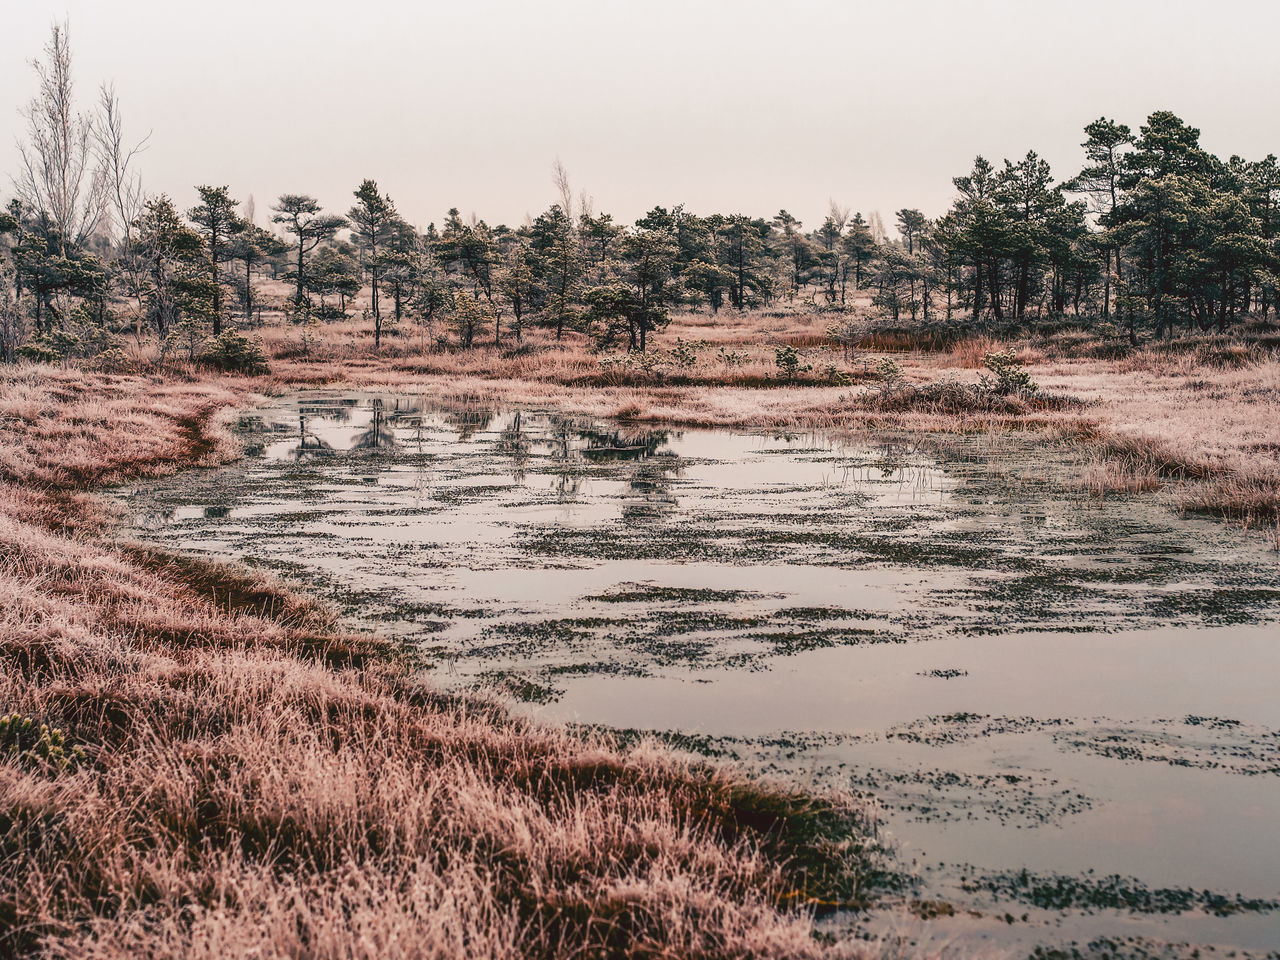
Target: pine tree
<point>219,224</point>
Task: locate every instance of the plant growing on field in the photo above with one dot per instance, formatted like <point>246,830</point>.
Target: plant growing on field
<point>1008,377</point>
<point>469,317</point>
<point>302,314</point>
<point>189,334</point>
<point>845,332</point>
<point>235,353</point>
<point>889,372</point>
<point>51,347</point>
<point>35,744</point>
<point>111,360</point>
<point>789,363</point>
<point>684,354</point>
<point>731,358</point>
<point>835,375</point>
<point>650,363</point>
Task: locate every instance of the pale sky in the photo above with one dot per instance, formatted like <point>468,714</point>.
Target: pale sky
<point>724,105</point>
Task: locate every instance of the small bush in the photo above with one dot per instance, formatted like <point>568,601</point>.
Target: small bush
<point>889,373</point>
<point>684,354</point>
<point>731,358</point>
<point>111,360</point>
<point>833,374</point>
<point>234,353</point>
<point>35,744</point>
<point>788,362</point>
<point>1008,377</point>
<point>51,347</point>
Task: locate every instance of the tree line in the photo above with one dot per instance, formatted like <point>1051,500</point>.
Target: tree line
<point>1154,234</point>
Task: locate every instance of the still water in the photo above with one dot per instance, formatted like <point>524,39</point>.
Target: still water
<point>1018,676</point>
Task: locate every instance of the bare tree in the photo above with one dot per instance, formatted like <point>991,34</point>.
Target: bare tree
<point>560,177</point>
<point>123,186</point>
<point>839,215</point>
<point>59,179</point>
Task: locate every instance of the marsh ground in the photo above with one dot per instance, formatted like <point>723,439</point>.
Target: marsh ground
<point>1034,687</point>
<point>1160,430</point>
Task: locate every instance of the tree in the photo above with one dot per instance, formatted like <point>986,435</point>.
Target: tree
<point>859,248</point>
<point>252,247</point>
<point>1104,146</point>
<point>1024,195</point>
<point>468,252</point>
<point>794,246</point>
<point>300,216</point>
<point>469,317</point>
<point>1167,183</point>
<point>123,185</point>
<point>174,256</point>
<point>598,233</point>
<point>518,282</point>
<point>648,255</point>
<point>58,179</point>
<point>372,217</point>
<point>219,224</point>
<point>981,232</point>
<point>742,248</point>
<point>334,272</point>
<point>400,263</point>
<point>912,225</point>
<point>559,270</point>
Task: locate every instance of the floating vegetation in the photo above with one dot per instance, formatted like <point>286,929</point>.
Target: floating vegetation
<point>1110,893</point>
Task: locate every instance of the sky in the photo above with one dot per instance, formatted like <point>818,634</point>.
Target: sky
<point>724,105</point>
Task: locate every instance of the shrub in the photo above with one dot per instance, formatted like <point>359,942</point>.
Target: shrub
<point>889,373</point>
<point>1009,378</point>
<point>834,374</point>
<point>235,353</point>
<point>51,347</point>
<point>684,354</point>
<point>111,360</point>
<point>731,358</point>
<point>35,744</point>
<point>37,351</point>
<point>788,361</point>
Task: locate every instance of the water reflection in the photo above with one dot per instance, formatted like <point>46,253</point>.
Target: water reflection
<point>380,434</point>
<point>515,445</point>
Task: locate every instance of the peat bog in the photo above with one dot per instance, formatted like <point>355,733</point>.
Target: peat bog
<point>1060,706</point>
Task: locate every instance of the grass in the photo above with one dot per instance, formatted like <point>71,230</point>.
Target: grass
<point>255,781</point>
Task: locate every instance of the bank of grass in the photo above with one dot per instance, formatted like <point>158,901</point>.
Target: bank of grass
<point>241,777</point>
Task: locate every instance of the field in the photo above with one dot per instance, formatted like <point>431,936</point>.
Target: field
<point>240,771</point>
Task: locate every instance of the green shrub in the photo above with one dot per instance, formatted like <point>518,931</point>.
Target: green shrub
<point>731,358</point>
<point>834,374</point>
<point>111,360</point>
<point>35,744</point>
<point>234,353</point>
<point>889,373</point>
<point>51,347</point>
<point>37,351</point>
<point>788,362</point>
<point>684,354</point>
<point>1009,378</point>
